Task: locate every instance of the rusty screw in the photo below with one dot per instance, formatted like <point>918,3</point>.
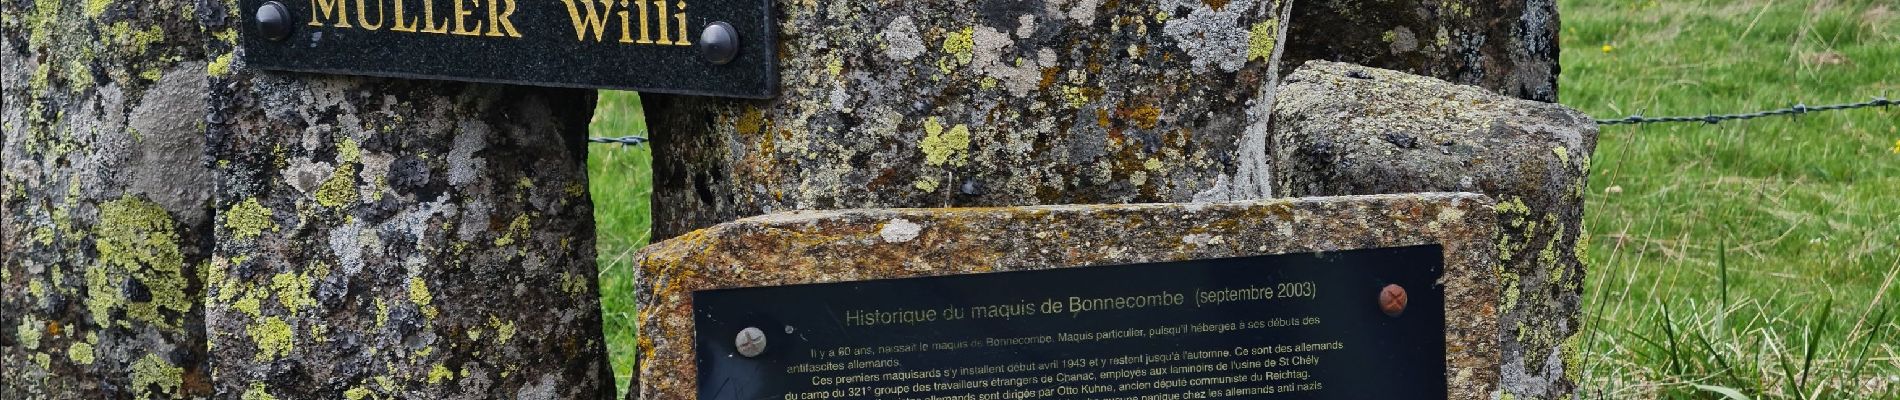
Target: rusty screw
<point>751,342</point>
<point>1392,300</point>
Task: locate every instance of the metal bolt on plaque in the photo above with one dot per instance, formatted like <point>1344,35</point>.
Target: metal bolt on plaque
<point>273,20</point>
<point>1392,300</point>
<point>719,43</point>
<point>751,342</point>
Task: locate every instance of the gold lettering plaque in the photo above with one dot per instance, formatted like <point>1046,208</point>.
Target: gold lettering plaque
<point>645,45</point>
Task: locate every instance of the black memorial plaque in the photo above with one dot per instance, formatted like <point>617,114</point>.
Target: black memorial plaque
<point>616,44</point>
<point>1297,326</point>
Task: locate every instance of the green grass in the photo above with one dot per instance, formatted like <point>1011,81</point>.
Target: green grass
<point>1756,258</point>
<point>620,180</point>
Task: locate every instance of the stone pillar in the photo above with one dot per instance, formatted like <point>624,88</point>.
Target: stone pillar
<point>389,238</point>
<point>1507,46</point>
<point>932,104</point>
<point>1344,129</point>
<point>105,205</point>
<point>171,216</point>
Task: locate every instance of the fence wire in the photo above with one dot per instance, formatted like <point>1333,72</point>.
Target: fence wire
<point>623,140</point>
<point>1797,109</point>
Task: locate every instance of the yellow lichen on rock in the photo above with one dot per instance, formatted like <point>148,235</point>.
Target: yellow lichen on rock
<point>219,66</point>
<point>248,219</point>
<point>29,331</point>
<point>503,330</point>
<point>293,291</point>
<point>340,189</point>
<point>138,247</point>
<point>274,338</point>
<point>356,393</point>
<point>258,392</point>
<point>958,47</point>
<point>517,228</point>
<point>943,147</point>
<point>419,294</point>
<point>1261,40</point>
<point>80,353</point>
<point>249,304</point>
<point>439,372</point>
<point>153,370</point>
<point>95,8</point>
<point>348,151</point>
<point>925,183</point>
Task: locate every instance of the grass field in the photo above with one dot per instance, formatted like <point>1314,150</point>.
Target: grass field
<point>1757,256</point>
<point>1750,259</point>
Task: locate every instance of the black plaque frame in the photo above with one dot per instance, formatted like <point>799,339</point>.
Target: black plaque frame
<point>1385,356</point>
<point>547,53</point>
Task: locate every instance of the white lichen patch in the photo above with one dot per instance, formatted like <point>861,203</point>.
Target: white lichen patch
<point>1025,26</point>
<point>1080,11</point>
<point>347,246</point>
<point>840,98</point>
<point>899,230</point>
<point>1212,38</point>
<point>992,58</point>
<point>900,39</point>
<point>464,168</point>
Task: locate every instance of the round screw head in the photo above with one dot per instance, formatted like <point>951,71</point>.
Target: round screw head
<point>751,342</point>
<point>1392,300</point>
<point>719,43</point>
<point>273,20</point>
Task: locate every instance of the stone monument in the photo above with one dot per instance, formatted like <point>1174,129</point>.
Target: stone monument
<point>197,203</point>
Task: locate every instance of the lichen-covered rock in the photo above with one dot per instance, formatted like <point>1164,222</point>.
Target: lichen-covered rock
<point>1343,129</point>
<point>1506,46</point>
<point>104,206</point>
<point>383,238</point>
<point>850,245</point>
<point>953,103</point>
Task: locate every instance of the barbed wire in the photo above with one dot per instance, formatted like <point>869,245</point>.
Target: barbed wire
<point>1798,108</point>
<point>623,140</point>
